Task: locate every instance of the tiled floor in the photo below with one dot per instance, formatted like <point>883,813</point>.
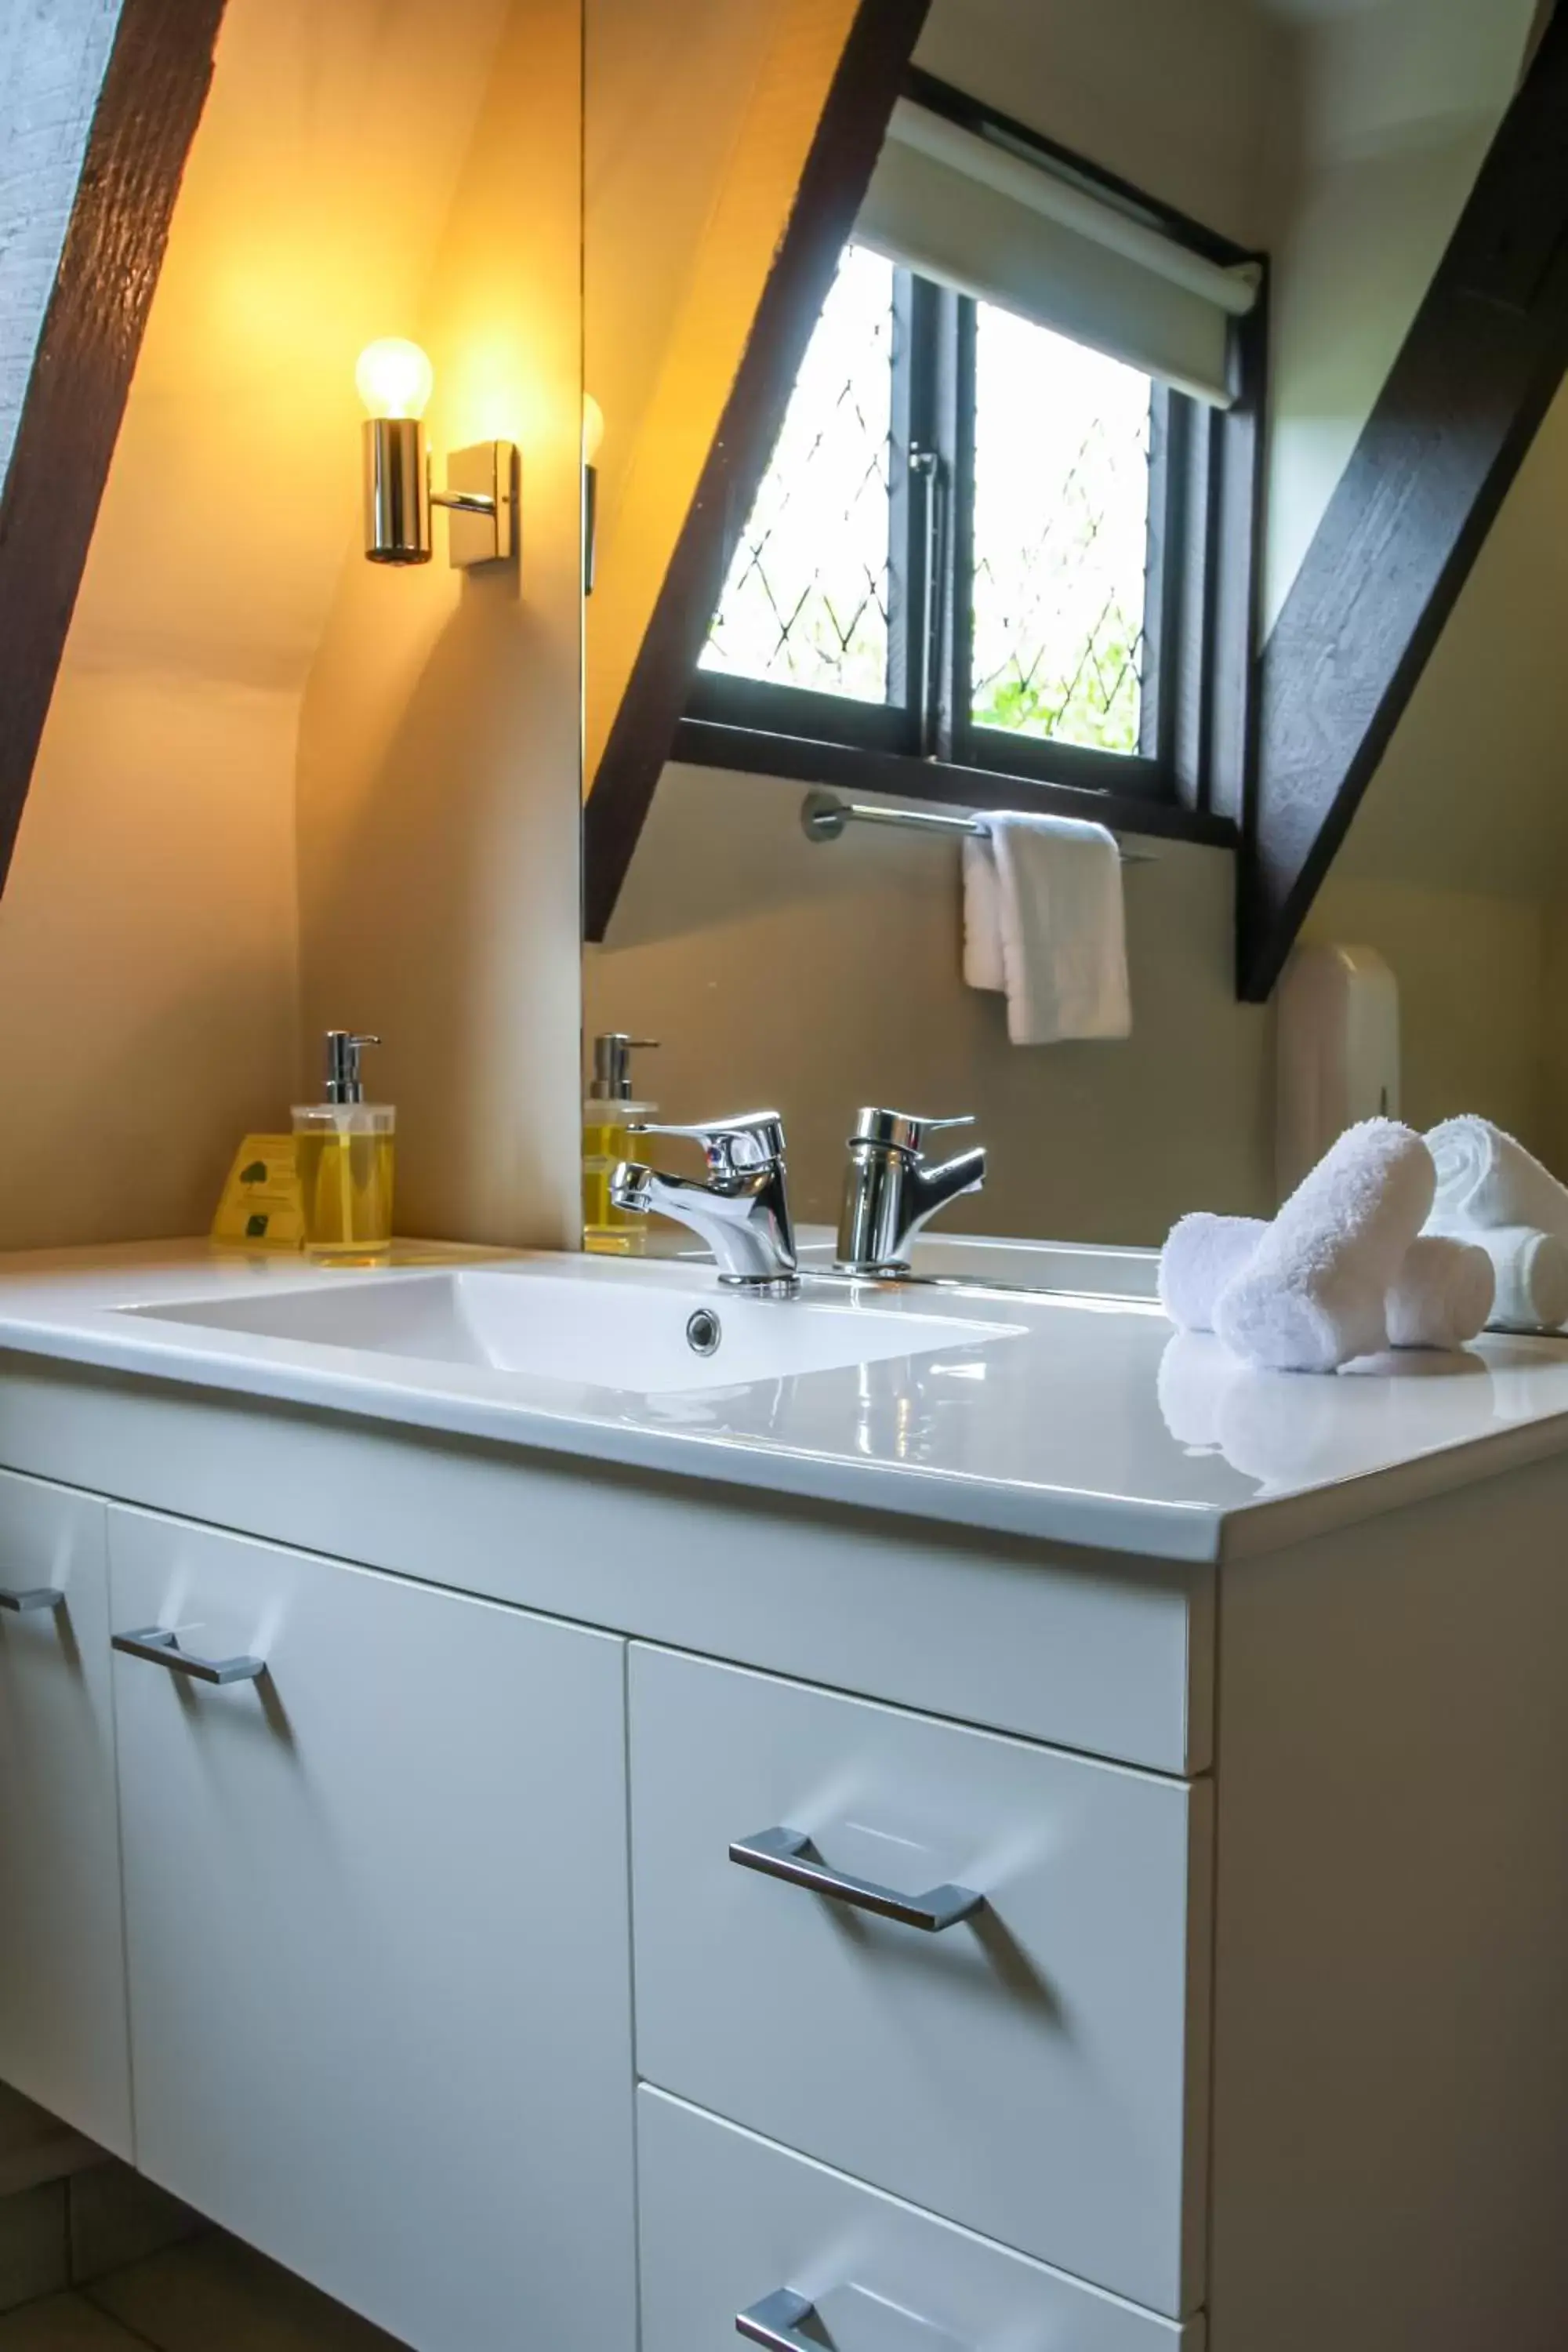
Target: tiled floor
<point>210,2294</point>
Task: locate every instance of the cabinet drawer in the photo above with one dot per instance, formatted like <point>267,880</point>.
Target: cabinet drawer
<point>727,2220</point>
<point>376,1922</point>
<point>1036,2070</point>
<point>62,1985</point>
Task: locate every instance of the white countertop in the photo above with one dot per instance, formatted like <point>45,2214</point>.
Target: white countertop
<point>1085,1419</point>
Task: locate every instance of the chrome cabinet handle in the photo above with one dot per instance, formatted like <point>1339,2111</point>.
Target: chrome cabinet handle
<point>774,2322</point>
<point>162,1649</point>
<point>778,2319</point>
<point>788,1855</point>
<point>39,1596</point>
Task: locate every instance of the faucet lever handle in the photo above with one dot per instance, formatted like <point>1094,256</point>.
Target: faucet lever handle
<point>754,1139</point>
<point>900,1130</point>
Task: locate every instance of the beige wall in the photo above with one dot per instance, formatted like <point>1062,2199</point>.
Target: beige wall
<point>1177,97</point>
<point>824,977</point>
<point>148,949</point>
<point>820,977</point>
<point>1385,116</point>
<point>1472,970</point>
<point>439,776</point>
<point>149,934</point>
<point>701,114</point>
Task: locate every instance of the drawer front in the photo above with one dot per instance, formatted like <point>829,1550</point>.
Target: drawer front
<point>62,1976</point>
<point>728,2221</point>
<point>378,1927</point>
<point>1036,2070</point>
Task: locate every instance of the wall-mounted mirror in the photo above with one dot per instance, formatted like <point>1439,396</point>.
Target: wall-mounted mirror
<point>970,385</point>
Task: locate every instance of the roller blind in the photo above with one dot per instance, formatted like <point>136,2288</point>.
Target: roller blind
<point>953,206</point>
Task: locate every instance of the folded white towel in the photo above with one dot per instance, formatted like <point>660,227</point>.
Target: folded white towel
<point>1044,923</point>
<point>1531,1273</point>
<point>1441,1295</point>
<point>1313,1294</point>
<point>1485,1178</point>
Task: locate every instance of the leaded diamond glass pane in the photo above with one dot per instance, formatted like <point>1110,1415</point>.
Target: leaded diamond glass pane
<point>806,599</point>
<point>1061,525</point>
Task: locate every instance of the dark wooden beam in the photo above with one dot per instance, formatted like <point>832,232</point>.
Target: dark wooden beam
<point>833,187</point>
<point>1480,368</point>
<point>153,89</point>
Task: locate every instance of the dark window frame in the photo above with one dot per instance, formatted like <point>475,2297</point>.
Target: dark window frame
<point>1197,728</point>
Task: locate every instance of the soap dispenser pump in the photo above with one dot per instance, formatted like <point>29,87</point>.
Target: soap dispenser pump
<point>608,1117</point>
<point>343,1150</point>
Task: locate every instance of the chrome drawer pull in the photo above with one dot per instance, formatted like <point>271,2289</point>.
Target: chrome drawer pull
<point>162,1649</point>
<point>774,2320</point>
<point>777,2320</point>
<point>41,1596</point>
<point>789,1854</point>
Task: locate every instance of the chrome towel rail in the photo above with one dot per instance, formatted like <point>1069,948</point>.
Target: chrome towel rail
<point>823,817</point>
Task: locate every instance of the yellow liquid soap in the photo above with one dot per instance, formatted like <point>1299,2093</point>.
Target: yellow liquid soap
<point>345,1184</point>
<point>607,1231</point>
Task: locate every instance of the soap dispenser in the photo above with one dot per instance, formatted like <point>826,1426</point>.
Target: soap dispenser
<point>343,1151</point>
<point>608,1116</point>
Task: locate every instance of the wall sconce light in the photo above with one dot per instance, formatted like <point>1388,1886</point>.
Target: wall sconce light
<point>593,434</point>
<point>395,381</point>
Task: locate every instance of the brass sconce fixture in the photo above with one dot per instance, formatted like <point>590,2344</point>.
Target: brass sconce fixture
<point>394,380</point>
<point>593,434</point>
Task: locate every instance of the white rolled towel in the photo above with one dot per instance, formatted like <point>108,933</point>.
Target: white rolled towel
<point>1531,1273</point>
<point>1485,1178</point>
<point>1441,1295</point>
<point>1202,1251</point>
<point>1312,1295</point>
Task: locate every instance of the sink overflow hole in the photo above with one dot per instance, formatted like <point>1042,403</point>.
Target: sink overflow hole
<point>703,1331</point>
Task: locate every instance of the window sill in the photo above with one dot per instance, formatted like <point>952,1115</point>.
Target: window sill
<point>706,743</point>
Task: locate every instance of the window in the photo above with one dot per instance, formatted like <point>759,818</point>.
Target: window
<point>983,541</point>
<point>807,603</point>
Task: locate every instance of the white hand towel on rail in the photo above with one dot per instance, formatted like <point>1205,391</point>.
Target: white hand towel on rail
<point>1044,924</point>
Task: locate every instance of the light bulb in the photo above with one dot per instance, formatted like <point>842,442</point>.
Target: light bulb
<point>593,427</point>
<point>394,378</point>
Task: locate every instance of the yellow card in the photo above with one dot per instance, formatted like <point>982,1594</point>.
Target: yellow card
<point>261,1206</point>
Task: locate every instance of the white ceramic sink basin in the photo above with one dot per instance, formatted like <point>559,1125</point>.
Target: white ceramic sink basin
<point>609,1334</point>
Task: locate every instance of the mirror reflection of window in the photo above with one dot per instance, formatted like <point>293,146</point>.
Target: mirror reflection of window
<point>988,538</point>
<point>1062,439</point>
<point>1059,438</point>
<point>807,602</point>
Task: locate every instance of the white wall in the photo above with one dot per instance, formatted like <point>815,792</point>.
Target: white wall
<point>52,59</point>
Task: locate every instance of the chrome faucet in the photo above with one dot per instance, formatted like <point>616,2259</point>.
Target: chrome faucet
<point>743,1209</point>
<point>889,1191</point>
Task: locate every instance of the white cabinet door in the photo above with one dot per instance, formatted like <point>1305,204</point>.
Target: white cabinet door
<point>377,1931</point>
<point>62,1969</point>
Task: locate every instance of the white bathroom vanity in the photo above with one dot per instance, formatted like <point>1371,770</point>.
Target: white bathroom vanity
<point>937,1819</point>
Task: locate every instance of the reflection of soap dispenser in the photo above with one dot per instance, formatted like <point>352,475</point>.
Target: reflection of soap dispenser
<point>343,1150</point>
<point>607,1114</point>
